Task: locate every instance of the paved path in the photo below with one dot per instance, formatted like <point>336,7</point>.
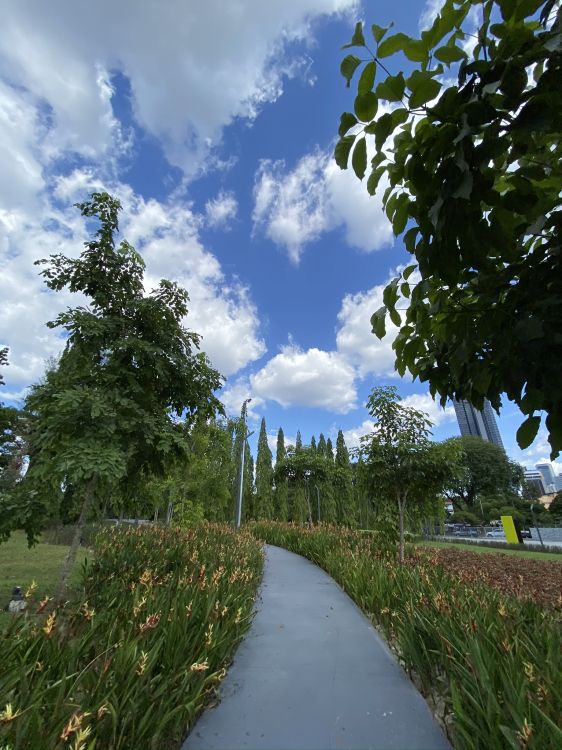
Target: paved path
<point>313,674</point>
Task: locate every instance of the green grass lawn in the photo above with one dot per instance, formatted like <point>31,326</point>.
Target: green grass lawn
<point>494,550</point>
<point>20,565</point>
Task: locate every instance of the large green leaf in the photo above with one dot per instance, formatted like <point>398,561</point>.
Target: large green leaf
<point>374,179</point>
<point>527,431</point>
<point>392,88</point>
<point>449,55</point>
<point>393,44</point>
<point>348,67</point>
<point>424,88</point>
<point>358,39</point>
<point>379,31</point>
<point>359,158</point>
<point>365,106</point>
<point>347,121</point>
<point>342,149</point>
<point>367,78</point>
<point>378,322</point>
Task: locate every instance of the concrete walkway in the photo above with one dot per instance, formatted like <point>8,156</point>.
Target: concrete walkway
<point>313,674</point>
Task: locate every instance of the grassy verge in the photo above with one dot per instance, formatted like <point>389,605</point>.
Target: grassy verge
<point>133,663</point>
<point>21,565</point>
<point>479,548</point>
<point>489,663</point>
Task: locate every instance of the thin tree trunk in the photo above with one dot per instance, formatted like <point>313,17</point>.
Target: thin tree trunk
<point>401,518</point>
<point>73,549</point>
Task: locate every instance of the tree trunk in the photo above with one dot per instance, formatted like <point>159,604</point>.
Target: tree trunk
<point>73,549</point>
<point>401,516</point>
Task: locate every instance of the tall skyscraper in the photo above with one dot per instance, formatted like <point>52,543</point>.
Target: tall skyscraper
<point>548,476</point>
<point>478,423</point>
<point>536,479</point>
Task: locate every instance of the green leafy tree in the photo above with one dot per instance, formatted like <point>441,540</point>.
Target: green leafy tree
<point>264,476</point>
<point>281,497</point>
<point>304,470</point>
<point>201,484</point>
<point>555,508</point>
<point>403,464</point>
<point>111,410</point>
<point>530,492</point>
<point>328,508</point>
<point>14,426</point>
<point>298,441</point>
<point>487,471</point>
<point>313,443</point>
<point>474,167</point>
<point>342,484</point>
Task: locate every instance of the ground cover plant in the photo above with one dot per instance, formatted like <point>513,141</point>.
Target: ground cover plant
<point>134,661</point>
<point>553,554</point>
<point>488,662</point>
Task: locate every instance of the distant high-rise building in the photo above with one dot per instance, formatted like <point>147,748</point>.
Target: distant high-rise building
<point>478,423</point>
<point>535,478</point>
<point>548,476</point>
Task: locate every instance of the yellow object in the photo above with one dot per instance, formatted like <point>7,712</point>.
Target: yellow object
<point>509,529</point>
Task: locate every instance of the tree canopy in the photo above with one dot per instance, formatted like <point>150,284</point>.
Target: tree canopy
<point>401,462</point>
<point>111,408</point>
<point>469,139</point>
<point>486,472</point>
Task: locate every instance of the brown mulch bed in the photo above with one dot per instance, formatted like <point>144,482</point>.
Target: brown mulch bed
<point>538,580</point>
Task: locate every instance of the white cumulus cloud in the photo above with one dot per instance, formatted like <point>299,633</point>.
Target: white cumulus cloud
<point>296,207</point>
<point>235,393</point>
<point>355,339</point>
<point>312,378</point>
<point>166,235</point>
<point>221,210</point>
<point>192,67</point>
<point>423,402</point>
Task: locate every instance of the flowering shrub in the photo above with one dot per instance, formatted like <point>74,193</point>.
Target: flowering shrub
<point>135,660</point>
<point>489,662</point>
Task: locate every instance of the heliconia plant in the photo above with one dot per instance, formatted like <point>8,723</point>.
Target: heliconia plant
<point>135,659</point>
<point>478,633</point>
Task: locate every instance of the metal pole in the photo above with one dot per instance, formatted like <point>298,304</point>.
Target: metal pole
<point>536,526</point>
<point>241,488</point>
<point>318,500</point>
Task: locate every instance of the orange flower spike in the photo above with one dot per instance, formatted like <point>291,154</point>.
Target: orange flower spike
<point>525,734</point>
<point>102,710</point>
<point>30,590</point>
<point>49,625</point>
<point>42,604</point>
<point>74,724</point>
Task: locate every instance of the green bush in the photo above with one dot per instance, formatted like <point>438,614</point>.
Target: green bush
<point>133,663</point>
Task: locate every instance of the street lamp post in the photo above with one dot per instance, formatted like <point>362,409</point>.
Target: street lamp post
<point>318,501</point>
<point>241,487</point>
<point>536,525</point>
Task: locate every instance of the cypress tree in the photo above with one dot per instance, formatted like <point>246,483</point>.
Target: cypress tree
<point>321,448</point>
<point>329,450</point>
<point>264,477</point>
<point>281,497</point>
<point>346,511</point>
<point>313,443</point>
<point>298,442</point>
<point>298,503</point>
<point>248,509</point>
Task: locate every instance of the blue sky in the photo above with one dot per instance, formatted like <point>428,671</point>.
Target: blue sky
<point>214,123</point>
